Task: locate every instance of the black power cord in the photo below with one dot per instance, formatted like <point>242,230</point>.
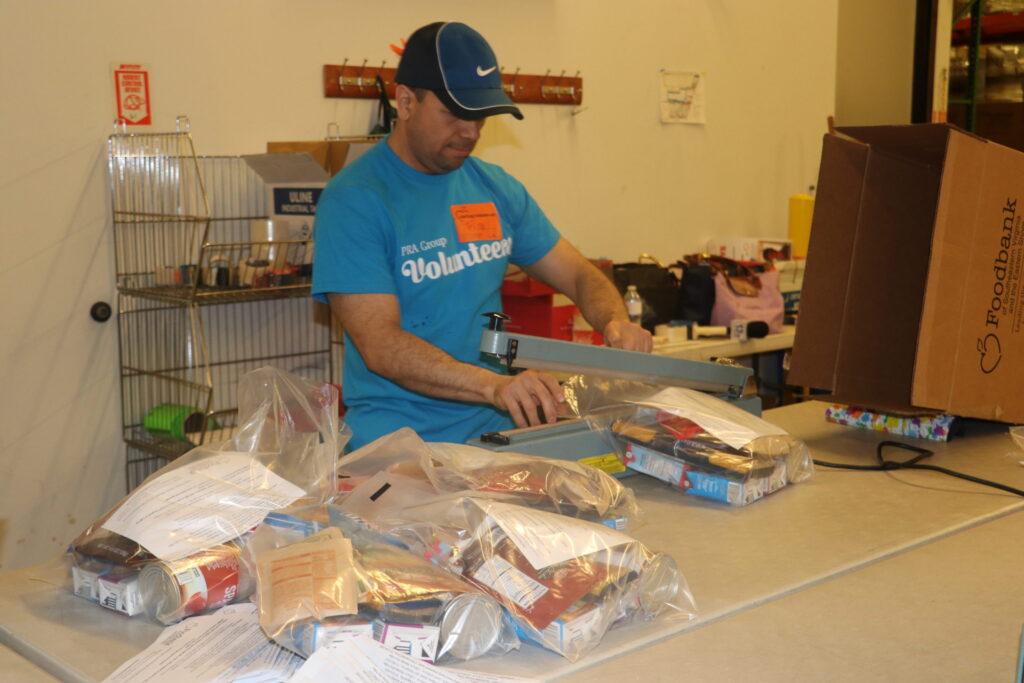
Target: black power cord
<point>914,464</point>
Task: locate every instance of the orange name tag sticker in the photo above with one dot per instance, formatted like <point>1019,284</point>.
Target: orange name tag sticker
<point>475,222</point>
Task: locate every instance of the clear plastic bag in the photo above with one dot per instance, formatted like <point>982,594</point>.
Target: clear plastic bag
<point>399,470</point>
<point>184,526</point>
<point>566,581</point>
<point>704,445</point>
<point>400,596</point>
<point>562,486</point>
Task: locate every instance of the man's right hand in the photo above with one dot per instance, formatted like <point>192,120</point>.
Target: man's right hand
<point>522,394</point>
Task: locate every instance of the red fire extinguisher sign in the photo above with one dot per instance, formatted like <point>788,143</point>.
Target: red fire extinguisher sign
<point>131,86</point>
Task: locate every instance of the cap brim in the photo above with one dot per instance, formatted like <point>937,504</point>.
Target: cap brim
<point>478,103</point>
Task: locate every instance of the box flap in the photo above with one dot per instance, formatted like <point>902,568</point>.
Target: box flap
<point>878,343</point>
<point>275,169</point>
<point>826,276</point>
<point>866,267</point>
<point>923,142</point>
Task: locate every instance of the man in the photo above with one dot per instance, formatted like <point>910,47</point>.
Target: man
<point>412,242</point>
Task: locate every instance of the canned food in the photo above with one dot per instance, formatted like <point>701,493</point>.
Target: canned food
<point>177,589</point>
<point>657,584</point>
<point>470,625</point>
<point>421,612</point>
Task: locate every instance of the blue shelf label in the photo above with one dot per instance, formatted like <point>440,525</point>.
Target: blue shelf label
<point>296,201</point>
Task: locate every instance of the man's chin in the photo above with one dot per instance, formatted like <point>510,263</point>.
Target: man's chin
<point>452,163</point>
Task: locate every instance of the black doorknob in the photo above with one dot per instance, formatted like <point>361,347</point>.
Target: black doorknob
<point>101,311</point>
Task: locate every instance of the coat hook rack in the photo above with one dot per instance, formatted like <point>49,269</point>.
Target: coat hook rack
<point>357,81</point>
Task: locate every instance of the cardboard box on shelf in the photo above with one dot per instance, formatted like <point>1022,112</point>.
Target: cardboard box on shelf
<point>331,155</point>
<point>293,184</point>
<point>912,296</point>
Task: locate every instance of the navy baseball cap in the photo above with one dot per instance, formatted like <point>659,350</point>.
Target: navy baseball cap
<point>457,64</point>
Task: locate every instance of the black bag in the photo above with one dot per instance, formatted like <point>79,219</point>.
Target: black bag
<point>657,285</point>
<point>386,114</point>
<point>696,291</point>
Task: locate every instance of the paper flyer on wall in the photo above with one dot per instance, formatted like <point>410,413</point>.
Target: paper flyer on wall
<point>682,97</point>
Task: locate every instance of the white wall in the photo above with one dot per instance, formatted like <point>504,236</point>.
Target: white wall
<point>875,62</point>
<point>614,179</point>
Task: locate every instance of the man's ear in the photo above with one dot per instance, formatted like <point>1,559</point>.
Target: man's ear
<point>405,101</point>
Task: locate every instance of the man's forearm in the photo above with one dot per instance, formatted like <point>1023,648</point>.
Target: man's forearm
<point>598,299</point>
<point>422,367</point>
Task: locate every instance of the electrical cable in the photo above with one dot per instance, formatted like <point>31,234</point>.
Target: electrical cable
<point>913,464</point>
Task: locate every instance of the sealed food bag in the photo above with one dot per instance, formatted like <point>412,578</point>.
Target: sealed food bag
<point>566,581</point>
<point>401,599</point>
<point>191,518</point>
<point>202,582</point>
<point>410,599</point>
<point>399,452</point>
<point>704,445</point>
<point>310,580</point>
<point>108,584</point>
<point>562,486</point>
<point>295,419</point>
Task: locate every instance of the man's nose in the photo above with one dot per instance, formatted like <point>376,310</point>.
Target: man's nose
<point>470,129</point>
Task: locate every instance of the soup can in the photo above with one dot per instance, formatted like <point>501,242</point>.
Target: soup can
<point>176,589</point>
<point>470,626</point>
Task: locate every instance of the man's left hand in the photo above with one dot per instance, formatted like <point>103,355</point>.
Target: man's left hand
<point>621,334</point>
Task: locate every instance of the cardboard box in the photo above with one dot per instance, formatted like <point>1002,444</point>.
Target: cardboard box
<point>331,155</point>
<point>912,296</point>
<point>293,186</point>
<point>545,315</point>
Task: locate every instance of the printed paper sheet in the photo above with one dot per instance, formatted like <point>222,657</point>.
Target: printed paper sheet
<point>546,538</point>
<point>227,645</point>
<point>197,506</point>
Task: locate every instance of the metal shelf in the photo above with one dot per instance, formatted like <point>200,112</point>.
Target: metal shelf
<point>200,301</point>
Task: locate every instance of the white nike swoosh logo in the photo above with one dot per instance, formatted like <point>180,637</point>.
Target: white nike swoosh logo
<point>483,72</point>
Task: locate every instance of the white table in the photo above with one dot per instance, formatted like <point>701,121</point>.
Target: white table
<point>950,610</point>
<point>16,669</point>
<point>723,347</point>
<point>778,569</point>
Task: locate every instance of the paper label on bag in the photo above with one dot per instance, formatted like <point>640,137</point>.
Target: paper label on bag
<point>313,578</point>
<point>721,419</point>
<point>546,538</point>
<point>503,578</point>
<point>197,506</point>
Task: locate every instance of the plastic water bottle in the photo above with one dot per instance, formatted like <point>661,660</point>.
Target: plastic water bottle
<point>634,304</point>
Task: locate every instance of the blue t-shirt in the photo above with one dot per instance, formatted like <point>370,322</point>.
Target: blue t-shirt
<point>441,245</point>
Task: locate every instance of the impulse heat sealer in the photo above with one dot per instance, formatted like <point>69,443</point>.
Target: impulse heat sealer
<point>572,439</point>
